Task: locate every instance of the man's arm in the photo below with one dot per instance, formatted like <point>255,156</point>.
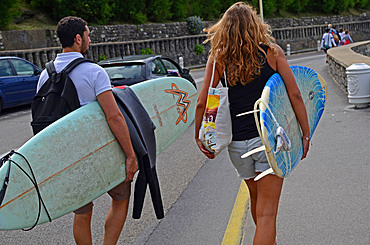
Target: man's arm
<point>117,124</point>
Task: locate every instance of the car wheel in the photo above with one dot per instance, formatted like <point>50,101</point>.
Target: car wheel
<point>1,105</point>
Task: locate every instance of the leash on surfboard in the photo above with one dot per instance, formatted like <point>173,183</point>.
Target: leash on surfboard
<point>283,142</point>
<point>32,178</point>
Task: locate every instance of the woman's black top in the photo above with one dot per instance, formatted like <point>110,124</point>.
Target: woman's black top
<point>242,99</point>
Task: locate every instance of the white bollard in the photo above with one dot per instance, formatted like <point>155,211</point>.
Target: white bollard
<point>288,49</point>
<point>358,79</point>
<point>181,62</point>
<point>318,45</point>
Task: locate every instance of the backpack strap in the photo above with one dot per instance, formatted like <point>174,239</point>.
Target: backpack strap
<point>50,68</point>
<point>75,63</point>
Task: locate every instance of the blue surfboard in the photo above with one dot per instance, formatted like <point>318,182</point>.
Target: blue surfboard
<point>276,111</point>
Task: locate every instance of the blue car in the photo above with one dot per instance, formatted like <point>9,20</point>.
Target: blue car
<point>18,80</point>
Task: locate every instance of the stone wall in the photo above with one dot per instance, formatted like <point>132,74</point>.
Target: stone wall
<point>171,47</point>
<point>301,38</point>
<point>19,39</point>
<point>344,56</point>
<point>362,49</point>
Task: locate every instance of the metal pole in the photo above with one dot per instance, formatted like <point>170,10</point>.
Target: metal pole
<point>261,10</point>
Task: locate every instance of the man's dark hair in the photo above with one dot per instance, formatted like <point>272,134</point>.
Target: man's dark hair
<point>68,28</point>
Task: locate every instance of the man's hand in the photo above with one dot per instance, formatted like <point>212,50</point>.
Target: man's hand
<point>131,168</point>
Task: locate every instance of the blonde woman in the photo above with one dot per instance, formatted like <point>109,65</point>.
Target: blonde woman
<point>243,47</point>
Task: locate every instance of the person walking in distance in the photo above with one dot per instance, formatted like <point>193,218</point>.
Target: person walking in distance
<point>347,39</point>
<point>242,45</point>
<point>92,83</point>
<point>327,42</point>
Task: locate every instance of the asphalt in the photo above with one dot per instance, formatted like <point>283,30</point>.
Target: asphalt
<point>324,201</point>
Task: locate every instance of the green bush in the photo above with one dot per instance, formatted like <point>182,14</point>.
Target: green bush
<point>159,10</point>
<point>102,57</point>
<point>93,11</point>
<point>146,51</point>
<point>9,9</point>
<point>298,5</point>
<point>179,9</point>
<point>199,49</point>
<point>138,18</point>
<point>210,10</point>
<point>128,11</point>
<point>195,25</point>
<point>194,8</point>
<point>361,3</point>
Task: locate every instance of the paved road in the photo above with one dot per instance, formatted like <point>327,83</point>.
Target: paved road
<point>325,201</point>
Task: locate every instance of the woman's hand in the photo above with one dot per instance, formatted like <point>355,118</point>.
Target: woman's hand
<point>306,146</point>
<point>204,150</point>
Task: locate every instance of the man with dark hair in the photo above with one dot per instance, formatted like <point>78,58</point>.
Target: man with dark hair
<point>92,83</point>
<point>68,28</point>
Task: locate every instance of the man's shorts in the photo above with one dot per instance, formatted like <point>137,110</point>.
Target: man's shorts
<point>247,168</point>
<point>120,192</point>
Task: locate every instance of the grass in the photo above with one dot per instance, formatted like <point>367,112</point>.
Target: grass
<point>31,19</point>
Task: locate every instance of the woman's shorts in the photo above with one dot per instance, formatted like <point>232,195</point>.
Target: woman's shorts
<point>248,167</point>
<point>120,192</point>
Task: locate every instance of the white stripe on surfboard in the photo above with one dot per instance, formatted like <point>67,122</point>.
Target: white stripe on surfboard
<point>258,149</point>
<point>263,174</point>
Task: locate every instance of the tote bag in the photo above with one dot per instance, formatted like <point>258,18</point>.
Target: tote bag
<point>215,131</point>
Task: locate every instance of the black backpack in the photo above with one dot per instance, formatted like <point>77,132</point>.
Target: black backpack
<point>56,98</point>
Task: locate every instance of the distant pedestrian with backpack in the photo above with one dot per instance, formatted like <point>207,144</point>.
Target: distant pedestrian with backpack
<point>334,33</point>
<point>90,82</point>
<point>347,39</point>
<point>327,42</point>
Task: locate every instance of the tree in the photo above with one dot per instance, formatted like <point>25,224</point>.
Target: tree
<point>8,10</point>
<point>159,10</point>
<point>93,11</point>
<point>179,9</point>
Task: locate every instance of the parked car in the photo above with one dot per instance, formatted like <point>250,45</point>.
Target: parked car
<point>18,80</point>
<point>129,70</point>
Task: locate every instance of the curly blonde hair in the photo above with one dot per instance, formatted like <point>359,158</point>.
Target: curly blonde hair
<point>235,41</point>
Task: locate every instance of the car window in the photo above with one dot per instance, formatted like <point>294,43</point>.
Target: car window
<point>5,68</point>
<point>170,66</point>
<point>124,72</point>
<point>158,67</point>
<point>23,68</point>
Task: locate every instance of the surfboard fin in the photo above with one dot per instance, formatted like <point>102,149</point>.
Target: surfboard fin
<point>283,142</point>
<point>258,149</point>
<point>263,174</point>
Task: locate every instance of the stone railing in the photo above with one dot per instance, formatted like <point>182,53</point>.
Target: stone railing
<point>300,39</point>
<point>344,56</point>
<point>306,38</point>
<point>170,47</point>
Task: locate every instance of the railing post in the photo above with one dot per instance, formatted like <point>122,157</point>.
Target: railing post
<point>288,49</point>
<point>181,62</point>
<point>318,45</point>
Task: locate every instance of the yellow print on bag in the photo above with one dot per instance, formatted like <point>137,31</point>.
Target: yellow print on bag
<point>212,105</point>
